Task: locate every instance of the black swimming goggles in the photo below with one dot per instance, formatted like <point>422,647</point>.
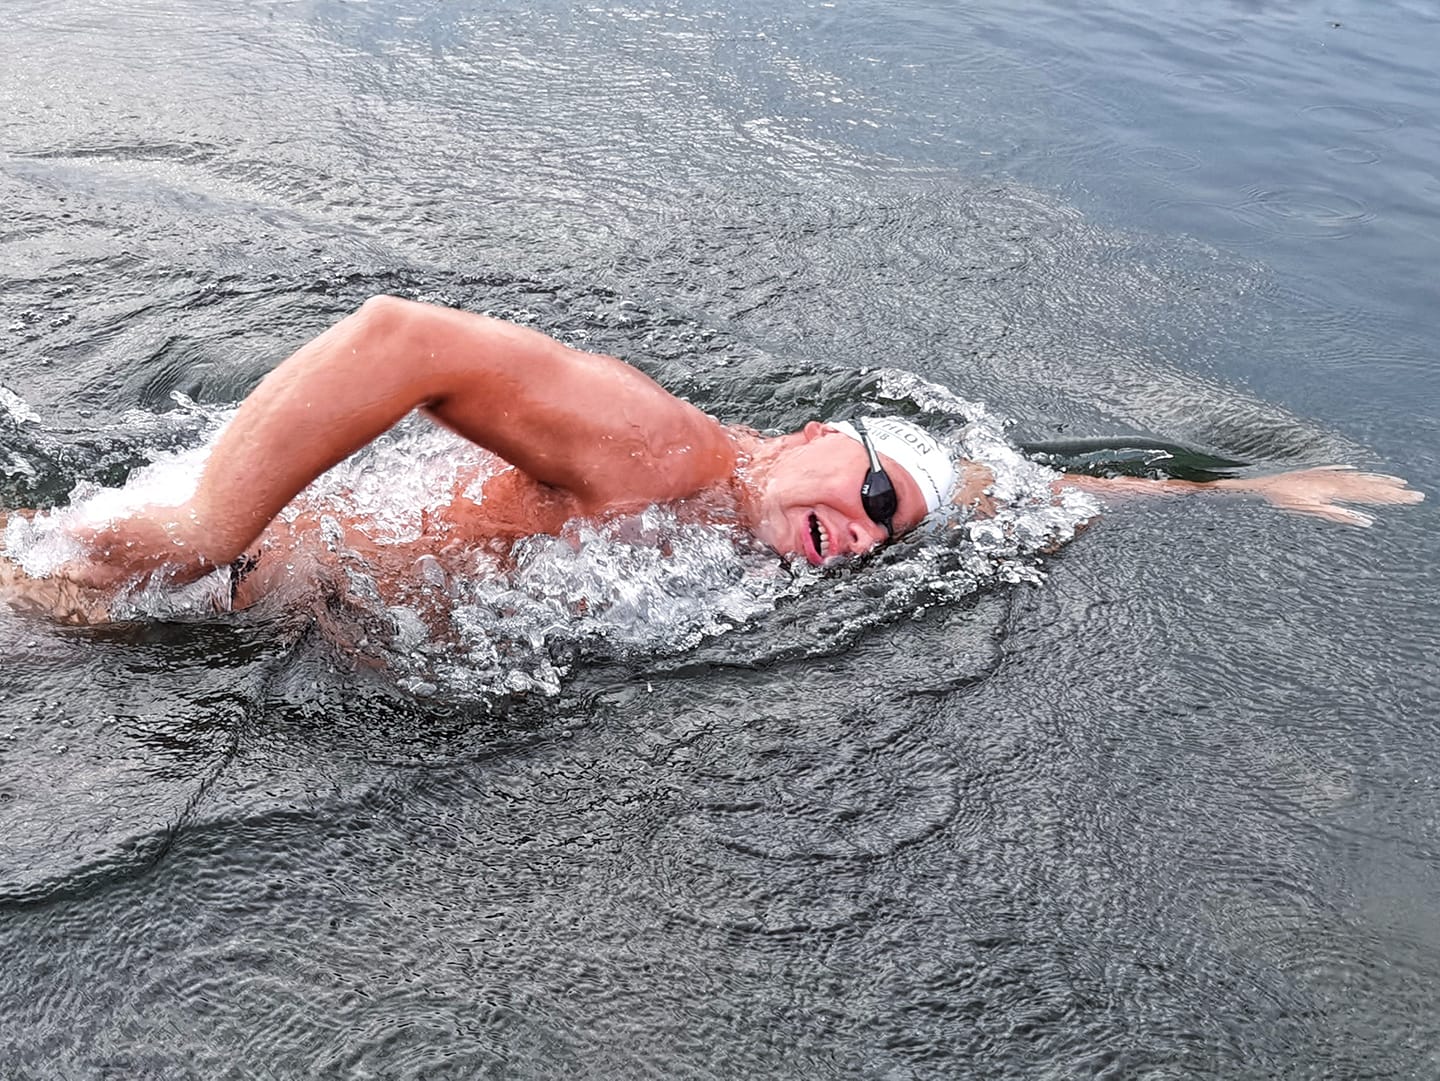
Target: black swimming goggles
<point>877,492</point>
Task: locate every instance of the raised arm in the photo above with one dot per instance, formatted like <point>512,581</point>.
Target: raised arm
<point>590,425</point>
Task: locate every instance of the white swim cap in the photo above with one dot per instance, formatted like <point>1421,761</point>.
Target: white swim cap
<point>911,448</point>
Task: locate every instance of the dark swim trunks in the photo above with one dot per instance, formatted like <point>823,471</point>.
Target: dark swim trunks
<point>239,570</point>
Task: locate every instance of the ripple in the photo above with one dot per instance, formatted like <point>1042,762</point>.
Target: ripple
<point>1357,118</point>
<point>1353,155</point>
<point>854,799</point>
<point>807,826</point>
<point>781,820</point>
<point>1220,33</point>
<point>1213,82</point>
<point>1295,212</point>
<point>1204,215</point>
<point>1309,212</point>
<point>1164,158</point>
<point>740,895</point>
<point>130,151</point>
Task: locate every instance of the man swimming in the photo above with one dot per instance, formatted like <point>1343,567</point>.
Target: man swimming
<point>588,436</point>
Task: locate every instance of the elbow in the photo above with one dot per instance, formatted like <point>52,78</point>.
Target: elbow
<point>433,350</point>
<point>409,329</point>
<point>375,332</point>
<point>391,345</point>
<point>386,305</point>
<point>385,318</point>
<point>431,353</point>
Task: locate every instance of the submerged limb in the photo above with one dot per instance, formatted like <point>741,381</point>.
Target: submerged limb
<point>1320,492</point>
<point>54,598</point>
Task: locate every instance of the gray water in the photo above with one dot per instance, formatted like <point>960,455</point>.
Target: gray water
<point>1162,805</point>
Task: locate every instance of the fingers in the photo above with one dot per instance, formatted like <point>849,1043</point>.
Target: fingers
<point>1348,516</point>
<point>1382,488</point>
<point>1343,483</point>
<point>1331,512</point>
<point>1376,488</point>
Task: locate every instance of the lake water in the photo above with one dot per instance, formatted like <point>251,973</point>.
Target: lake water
<point>1160,805</point>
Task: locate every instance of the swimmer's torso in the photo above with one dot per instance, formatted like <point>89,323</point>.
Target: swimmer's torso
<point>313,547</point>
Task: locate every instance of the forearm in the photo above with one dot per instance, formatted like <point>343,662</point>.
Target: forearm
<point>1114,488</point>
<point>327,400</point>
<point>1320,491</point>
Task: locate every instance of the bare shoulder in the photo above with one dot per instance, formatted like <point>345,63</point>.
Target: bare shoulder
<point>588,423</point>
<point>644,444</point>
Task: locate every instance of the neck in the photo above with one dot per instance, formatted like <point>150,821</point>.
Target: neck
<point>737,496</point>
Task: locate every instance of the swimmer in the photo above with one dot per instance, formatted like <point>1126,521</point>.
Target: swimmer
<point>588,436</point>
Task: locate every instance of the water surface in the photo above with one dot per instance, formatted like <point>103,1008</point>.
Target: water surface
<point>1163,810</point>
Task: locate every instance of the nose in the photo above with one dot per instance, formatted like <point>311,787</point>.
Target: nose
<point>865,535</point>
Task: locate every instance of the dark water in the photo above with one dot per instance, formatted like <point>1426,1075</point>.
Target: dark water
<point>1169,813</point>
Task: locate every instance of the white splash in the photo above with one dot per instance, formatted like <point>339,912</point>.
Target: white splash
<point>1031,519</point>
<point>17,407</point>
<point>646,586</point>
<point>43,544</point>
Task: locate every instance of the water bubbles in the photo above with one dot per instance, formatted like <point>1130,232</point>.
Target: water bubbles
<point>160,598</point>
<point>410,631</point>
<point>16,465</point>
<point>17,407</point>
<point>987,534</point>
<point>420,688</point>
<point>331,532</point>
<point>429,571</point>
<point>37,546</point>
<point>443,619</point>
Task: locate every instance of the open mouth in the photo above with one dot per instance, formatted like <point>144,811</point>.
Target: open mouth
<point>818,535</point>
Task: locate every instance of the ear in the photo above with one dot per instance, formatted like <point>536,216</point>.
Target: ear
<point>814,430</point>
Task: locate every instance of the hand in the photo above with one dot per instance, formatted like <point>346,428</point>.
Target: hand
<point>129,549</point>
<point>1321,490</point>
<point>54,598</point>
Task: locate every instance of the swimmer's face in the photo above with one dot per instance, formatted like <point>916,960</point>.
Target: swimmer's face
<point>810,504</point>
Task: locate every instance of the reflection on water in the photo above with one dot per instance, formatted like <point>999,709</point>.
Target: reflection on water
<point>1162,812</point>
